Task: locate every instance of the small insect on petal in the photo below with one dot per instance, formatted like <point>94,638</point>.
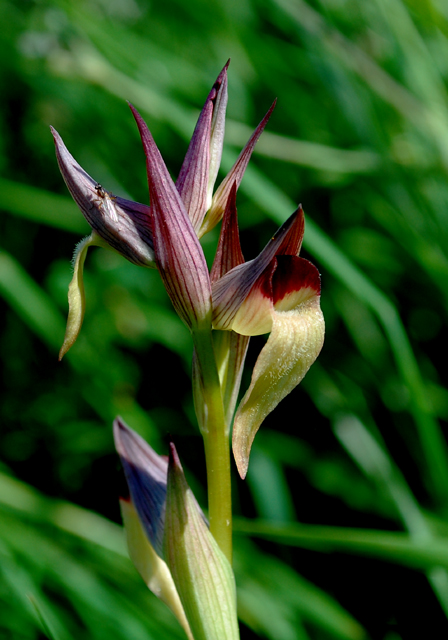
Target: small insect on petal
<point>106,203</point>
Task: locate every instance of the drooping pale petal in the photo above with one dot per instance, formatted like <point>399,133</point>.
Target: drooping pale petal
<point>293,345</point>
<point>76,295</point>
<point>200,167</point>
<point>150,565</point>
<point>219,200</point>
<point>123,225</point>
<point>230,291</point>
<point>201,573</point>
<point>179,255</point>
<point>146,477</point>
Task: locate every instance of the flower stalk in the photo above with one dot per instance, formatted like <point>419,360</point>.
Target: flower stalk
<point>215,432</point>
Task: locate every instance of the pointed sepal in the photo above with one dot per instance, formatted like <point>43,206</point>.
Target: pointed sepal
<point>179,255</point>
<point>143,513</point>
<point>201,573</point>
<point>200,167</point>
<point>124,225</point>
<point>146,477</point>
<point>235,175</point>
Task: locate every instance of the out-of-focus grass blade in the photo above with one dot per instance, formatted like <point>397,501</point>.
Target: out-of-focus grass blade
<point>394,547</point>
<point>269,488</point>
<point>30,301</point>
<point>378,465</point>
<point>93,67</point>
<point>375,462</point>
<point>42,616</point>
<point>41,206</point>
<point>422,72</point>
<point>21,497</point>
<point>297,601</point>
<point>353,58</point>
<point>304,153</point>
<point>266,614</point>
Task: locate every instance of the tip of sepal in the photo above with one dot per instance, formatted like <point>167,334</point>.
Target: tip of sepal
<point>174,463</point>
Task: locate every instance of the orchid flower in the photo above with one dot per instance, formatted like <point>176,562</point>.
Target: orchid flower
<point>277,292</point>
<point>126,227</point>
<point>170,543</point>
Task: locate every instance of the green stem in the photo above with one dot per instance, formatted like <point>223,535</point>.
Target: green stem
<point>212,422</point>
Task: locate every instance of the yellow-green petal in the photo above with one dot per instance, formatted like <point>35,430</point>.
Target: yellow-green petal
<point>150,565</point>
<point>294,343</point>
<point>76,295</point>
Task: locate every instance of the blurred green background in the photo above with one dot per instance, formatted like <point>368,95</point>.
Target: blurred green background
<point>342,524</point>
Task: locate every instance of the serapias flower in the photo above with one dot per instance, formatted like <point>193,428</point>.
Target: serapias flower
<point>128,227</point>
<point>170,543</point>
<point>277,292</point>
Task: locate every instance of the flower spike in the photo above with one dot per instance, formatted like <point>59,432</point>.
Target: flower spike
<point>170,543</point>
<point>146,474</point>
<point>179,255</point>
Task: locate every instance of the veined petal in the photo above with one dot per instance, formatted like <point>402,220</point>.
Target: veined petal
<point>123,225</point>
<point>293,345</point>
<point>219,201</point>
<point>150,566</point>
<point>179,255</point>
<point>217,132</point>
<point>200,167</point>
<point>201,573</point>
<point>76,295</point>
<point>146,477</point>
<point>230,291</point>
